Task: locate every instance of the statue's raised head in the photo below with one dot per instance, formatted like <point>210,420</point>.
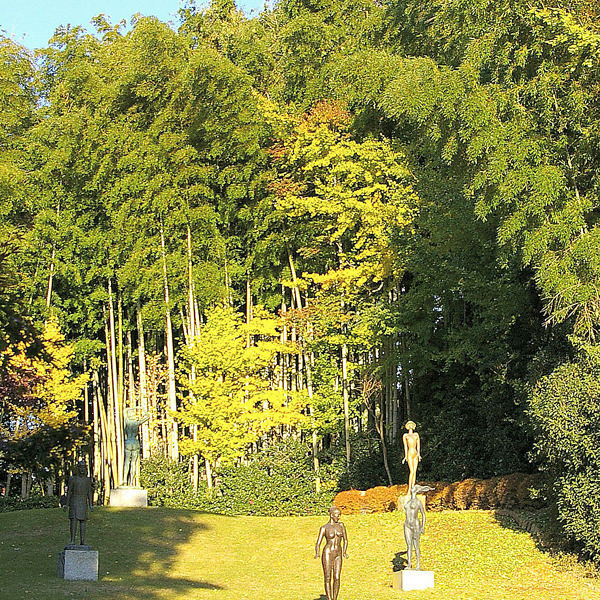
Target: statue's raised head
<point>335,512</point>
<point>410,425</point>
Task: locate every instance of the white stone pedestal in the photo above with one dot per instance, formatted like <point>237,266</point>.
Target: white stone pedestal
<point>409,579</point>
<point>128,497</point>
<point>78,563</point>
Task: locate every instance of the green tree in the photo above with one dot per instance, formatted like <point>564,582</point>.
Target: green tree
<point>231,400</point>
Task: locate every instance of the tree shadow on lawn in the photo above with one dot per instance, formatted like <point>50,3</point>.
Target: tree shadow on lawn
<point>521,522</point>
<point>544,531</point>
<point>139,549</point>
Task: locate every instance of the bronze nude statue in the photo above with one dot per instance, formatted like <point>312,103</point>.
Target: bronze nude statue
<point>412,453</point>
<point>132,446</point>
<point>413,527</point>
<point>79,499</point>
<point>336,544</point>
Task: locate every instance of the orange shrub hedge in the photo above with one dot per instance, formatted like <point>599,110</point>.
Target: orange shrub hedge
<point>508,491</point>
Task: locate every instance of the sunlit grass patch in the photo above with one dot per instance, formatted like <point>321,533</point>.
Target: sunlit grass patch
<point>159,553</point>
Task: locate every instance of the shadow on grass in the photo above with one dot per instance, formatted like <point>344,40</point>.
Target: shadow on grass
<point>544,530</point>
<point>399,562</point>
<point>141,549</point>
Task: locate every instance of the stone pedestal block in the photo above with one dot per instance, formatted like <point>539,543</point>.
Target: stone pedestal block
<point>128,497</point>
<point>78,563</point>
<point>410,579</point>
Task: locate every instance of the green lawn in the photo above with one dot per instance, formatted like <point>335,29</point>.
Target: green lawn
<point>158,553</point>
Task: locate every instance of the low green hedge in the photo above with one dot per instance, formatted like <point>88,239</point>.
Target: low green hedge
<point>276,482</point>
<point>16,503</point>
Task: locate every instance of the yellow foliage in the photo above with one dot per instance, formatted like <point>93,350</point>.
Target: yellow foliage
<point>56,390</point>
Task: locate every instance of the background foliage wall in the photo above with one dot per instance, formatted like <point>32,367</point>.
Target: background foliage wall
<point>406,191</point>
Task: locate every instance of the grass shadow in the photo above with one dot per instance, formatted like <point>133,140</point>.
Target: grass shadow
<point>142,553</point>
<point>548,538</point>
<point>529,522</point>
<point>131,551</point>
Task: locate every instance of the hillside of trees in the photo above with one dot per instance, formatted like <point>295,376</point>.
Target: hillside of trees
<point>307,227</point>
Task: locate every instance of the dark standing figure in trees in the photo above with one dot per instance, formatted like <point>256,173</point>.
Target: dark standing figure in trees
<point>132,446</point>
<point>79,498</point>
<point>336,544</point>
<point>412,453</point>
<point>413,528</point>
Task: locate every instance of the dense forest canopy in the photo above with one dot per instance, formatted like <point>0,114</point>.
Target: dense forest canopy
<point>310,225</point>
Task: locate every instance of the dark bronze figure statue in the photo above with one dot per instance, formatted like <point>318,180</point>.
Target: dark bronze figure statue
<point>413,527</point>
<point>336,544</point>
<point>79,498</point>
<point>132,446</point>
<point>412,453</point>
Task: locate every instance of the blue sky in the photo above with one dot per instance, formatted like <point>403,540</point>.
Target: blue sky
<point>32,22</point>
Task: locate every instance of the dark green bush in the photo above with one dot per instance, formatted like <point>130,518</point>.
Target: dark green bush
<point>168,484</point>
<point>565,409</point>
<point>15,503</point>
<point>278,481</point>
<point>275,482</point>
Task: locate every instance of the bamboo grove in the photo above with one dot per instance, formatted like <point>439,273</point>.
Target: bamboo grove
<point>312,224</point>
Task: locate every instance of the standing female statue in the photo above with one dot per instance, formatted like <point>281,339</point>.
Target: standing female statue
<point>413,527</point>
<point>336,544</point>
<point>412,453</point>
<point>132,446</point>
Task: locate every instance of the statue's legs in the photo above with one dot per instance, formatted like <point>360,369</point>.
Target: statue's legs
<point>82,532</point>
<point>135,459</point>
<point>413,463</point>
<point>127,467</point>
<point>327,572</point>
<point>337,571</point>
<point>417,542</point>
<point>73,531</point>
<point>408,538</point>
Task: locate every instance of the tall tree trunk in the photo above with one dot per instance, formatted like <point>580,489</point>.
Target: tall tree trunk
<point>209,476</point>
<point>345,396</point>
<point>295,288</point>
<point>381,430</point>
<point>120,355</point>
<point>405,377</point>
<point>109,447</point>
<point>52,261</point>
<point>173,448</point>
<point>130,380</point>
<point>50,278</point>
<point>96,469</point>
<point>143,382</point>
<point>309,387</point>
<point>86,397</point>
<point>193,327</point>
<point>24,485</point>
<point>110,427</point>
<point>314,437</point>
<point>117,416</point>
